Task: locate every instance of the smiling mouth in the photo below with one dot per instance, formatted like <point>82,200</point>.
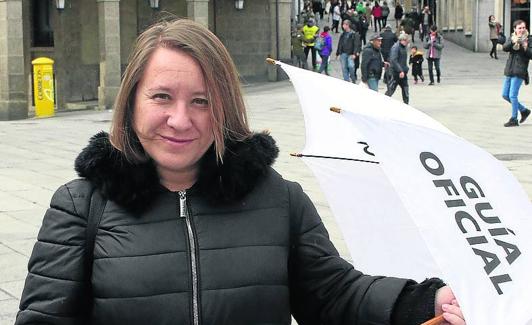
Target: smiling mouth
<point>176,140</point>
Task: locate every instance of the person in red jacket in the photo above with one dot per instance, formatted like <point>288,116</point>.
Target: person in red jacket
<point>376,12</point>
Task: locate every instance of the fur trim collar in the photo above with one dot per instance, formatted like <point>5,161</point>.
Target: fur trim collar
<point>131,186</point>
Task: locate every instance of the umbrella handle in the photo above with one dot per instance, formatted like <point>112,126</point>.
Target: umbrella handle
<point>434,321</point>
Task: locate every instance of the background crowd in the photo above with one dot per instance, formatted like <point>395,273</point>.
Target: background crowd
<point>389,54</point>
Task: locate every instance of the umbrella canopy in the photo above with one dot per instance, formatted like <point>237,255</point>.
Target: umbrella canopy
<point>414,200</point>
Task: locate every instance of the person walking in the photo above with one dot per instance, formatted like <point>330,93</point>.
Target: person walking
<point>326,50</point>
<point>398,14</point>
<point>336,16</point>
<point>385,13</point>
<point>348,49</point>
<point>376,12</point>
<point>298,50</point>
<point>399,68</point>
<point>516,70</point>
<point>416,60</point>
<point>178,216</point>
<point>426,22</point>
<point>495,30</point>
<point>434,46</point>
<point>310,32</point>
<point>389,38</point>
<point>372,63</point>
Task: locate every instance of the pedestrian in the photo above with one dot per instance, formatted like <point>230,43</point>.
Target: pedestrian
<point>364,26</point>
<point>399,68</point>
<point>385,13</point>
<point>298,49</point>
<point>307,13</point>
<point>317,9</point>
<point>372,63</point>
<point>411,23</point>
<point>361,8</point>
<point>495,30</point>
<point>376,12</point>
<point>434,46</point>
<point>194,225</point>
<point>326,50</point>
<point>426,22</point>
<point>516,70</point>
<point>348,50</point>
<point>398,14</point>
<point>389,38</point>
<point>416,60</point>
<point>310,32</point>
<point>336,16</point>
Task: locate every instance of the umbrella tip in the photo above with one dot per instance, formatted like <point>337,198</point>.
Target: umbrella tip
<point>270,61</point>
<point>296,155</point>
<point>336,109</point>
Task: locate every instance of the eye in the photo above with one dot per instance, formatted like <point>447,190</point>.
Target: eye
<point>201,102</point>
<point>160,96</point>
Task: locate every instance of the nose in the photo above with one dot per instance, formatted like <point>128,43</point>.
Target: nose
<point>179,117</point>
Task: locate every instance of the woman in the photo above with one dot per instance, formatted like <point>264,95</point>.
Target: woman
<point>385,13</point>
<point>434,46</point>
<point>197,228</point>
<point>326,50</point>
<point>495,29</point>
<point>336,16</point>
<point>398,14</point>
<point>376,12</point>
<point>516,70</point>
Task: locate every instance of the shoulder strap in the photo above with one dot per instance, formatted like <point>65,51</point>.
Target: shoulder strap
<point>97,206</point>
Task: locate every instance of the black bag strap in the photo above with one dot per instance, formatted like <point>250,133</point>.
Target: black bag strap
<point>96,208</point>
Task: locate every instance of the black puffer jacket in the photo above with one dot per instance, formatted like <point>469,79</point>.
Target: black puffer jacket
<point>260,250</point>
<point>517,63</point>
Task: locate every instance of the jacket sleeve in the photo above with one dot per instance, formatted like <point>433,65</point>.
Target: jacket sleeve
<point>507,47</point>
<point>426,43</point>
<point>364,65</point>
<point>439,45</point>
<point>55,291</point>
<point>358,43</point>
<point>324,288</point>
<point>394,59</point>
<point>528,51</point>
<point>339,46</point>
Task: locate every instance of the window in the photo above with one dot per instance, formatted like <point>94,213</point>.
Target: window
<point>42,32</point>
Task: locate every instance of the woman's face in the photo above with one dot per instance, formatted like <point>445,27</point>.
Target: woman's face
<point>172,116</point>
<point>520,29</point>
<point>492,18</point>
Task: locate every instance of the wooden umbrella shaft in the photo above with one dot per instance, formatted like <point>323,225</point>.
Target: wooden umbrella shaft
<point>434,321</point>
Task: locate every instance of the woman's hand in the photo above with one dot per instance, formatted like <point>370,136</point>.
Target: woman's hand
<point>447,304</point>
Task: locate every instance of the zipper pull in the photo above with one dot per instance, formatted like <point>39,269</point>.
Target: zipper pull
<point>183,204</point>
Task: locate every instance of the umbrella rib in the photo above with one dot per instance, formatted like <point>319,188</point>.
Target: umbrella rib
<point>338,158</point>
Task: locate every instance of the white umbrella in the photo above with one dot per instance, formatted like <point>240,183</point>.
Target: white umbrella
<point>414,200</point>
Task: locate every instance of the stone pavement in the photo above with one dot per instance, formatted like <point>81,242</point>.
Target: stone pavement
<point>36,156</point>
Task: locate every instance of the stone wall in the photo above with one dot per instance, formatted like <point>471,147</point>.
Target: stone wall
<point>246,33</point>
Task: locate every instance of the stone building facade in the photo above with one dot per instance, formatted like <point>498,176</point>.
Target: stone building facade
<point>90,40</point>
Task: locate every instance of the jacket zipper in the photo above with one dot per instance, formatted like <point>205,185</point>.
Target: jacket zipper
<point>183,213</point>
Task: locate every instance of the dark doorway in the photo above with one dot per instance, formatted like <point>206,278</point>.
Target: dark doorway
<point>520,9</point>
<point>41,28</point>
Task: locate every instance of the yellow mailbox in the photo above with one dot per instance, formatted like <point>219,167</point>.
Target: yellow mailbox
<point>43,86</point>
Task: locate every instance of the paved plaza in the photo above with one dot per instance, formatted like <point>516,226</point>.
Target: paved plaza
<point>37,155</point>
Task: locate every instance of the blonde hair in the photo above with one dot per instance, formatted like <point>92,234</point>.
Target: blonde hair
<point>228,112</point>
